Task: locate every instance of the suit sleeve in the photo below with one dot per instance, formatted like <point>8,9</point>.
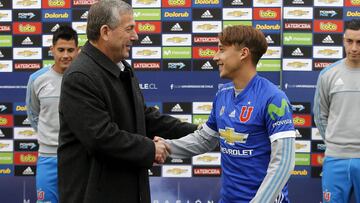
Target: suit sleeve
<point>321,106</point>
<point>87,117</point>
<point>32,104</point>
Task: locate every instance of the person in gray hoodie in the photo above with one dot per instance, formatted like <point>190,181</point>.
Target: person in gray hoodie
<point>42,101</point>
<point>336,115</point>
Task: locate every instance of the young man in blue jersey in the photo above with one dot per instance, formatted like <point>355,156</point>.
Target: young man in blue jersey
<point>42,101</point>
<point>336,114</point>
<point>251,119</point>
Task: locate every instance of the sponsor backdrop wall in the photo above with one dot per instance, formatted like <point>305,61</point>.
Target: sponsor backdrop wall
<point>177,40</point>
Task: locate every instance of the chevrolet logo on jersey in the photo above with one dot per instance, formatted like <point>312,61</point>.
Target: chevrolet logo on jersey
<point>279,111</point>
<point>231,137</point>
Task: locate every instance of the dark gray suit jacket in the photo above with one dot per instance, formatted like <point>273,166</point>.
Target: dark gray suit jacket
<point>105,142</point>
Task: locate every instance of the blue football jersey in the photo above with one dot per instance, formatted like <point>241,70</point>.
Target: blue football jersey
<point>247,123</point>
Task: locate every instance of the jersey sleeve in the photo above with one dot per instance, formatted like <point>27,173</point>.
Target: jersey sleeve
<point>32,104</point>
<point>211,122</point>
<point>278,117</point>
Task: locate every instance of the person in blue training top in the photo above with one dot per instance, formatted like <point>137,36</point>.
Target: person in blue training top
<point>42,101</point>
<point>251,119</point>
<point>336,115</point>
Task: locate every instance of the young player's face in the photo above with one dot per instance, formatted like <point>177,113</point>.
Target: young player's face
<point>228,58</point>
<point>64,51</point>
<point>352,45</point>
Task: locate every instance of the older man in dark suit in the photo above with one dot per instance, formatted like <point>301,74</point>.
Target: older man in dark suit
<point>106,132</point>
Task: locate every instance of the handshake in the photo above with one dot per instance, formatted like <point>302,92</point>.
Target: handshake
<point>162,150</point>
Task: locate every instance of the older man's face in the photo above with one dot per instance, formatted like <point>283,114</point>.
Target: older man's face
<point>122,37</point>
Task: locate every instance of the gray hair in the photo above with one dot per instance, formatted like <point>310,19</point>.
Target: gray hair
<point>105,12</point>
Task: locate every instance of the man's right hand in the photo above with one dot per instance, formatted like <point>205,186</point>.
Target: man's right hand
<point>162,150</point>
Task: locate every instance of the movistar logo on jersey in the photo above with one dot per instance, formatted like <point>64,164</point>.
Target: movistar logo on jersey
<point>279,111</point>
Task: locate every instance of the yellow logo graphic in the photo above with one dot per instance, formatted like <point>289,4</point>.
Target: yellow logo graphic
<point>3,121</point>
<point>28,133</point>
<point>268,14</point>
<point>299,172</point>
<point>230,136</point>
<point>27,53</point>
<point>177,2</point>
<point>267,1</point>
<point>297,64</point>
<point>26,2</point>
<point>3,145</point>
<point>207,158</point>
<point>146,27</point>
<point>5,171</point>
<point>300,146</point>
<point>271,52</point>
<point>206,52</point>
<point>328,26</point>
<point>176,39</point>
<point>237,13</point>
<point>81,27</point>
<point>298,13</point>
<point>328,52</point>
<point>207,26</point>
<point>146,2</point>
<point>2,15</point>
<point>298,121</point>
<point>3,66</point>
<point>27,158</point>
<point>329,1</point>
<point>206,1</point>
<point>205,107</point>
<point>57,3</point>
<point>146,52</point>
<point>355,2</point>
<point>27,28</point>
<point>176,171</point>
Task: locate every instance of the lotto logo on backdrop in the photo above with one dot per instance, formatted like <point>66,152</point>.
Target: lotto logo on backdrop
<point>27,28</point>
<point>6,120</point>
<point>350,3</point>
<point>204,52</point>
<point>267,13</point>
<point>176,3</point>
<point>328,26</point>
<point>55,3</point>
<point>148,27</point>
<point>302,120</point>
<point>28,158</point>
